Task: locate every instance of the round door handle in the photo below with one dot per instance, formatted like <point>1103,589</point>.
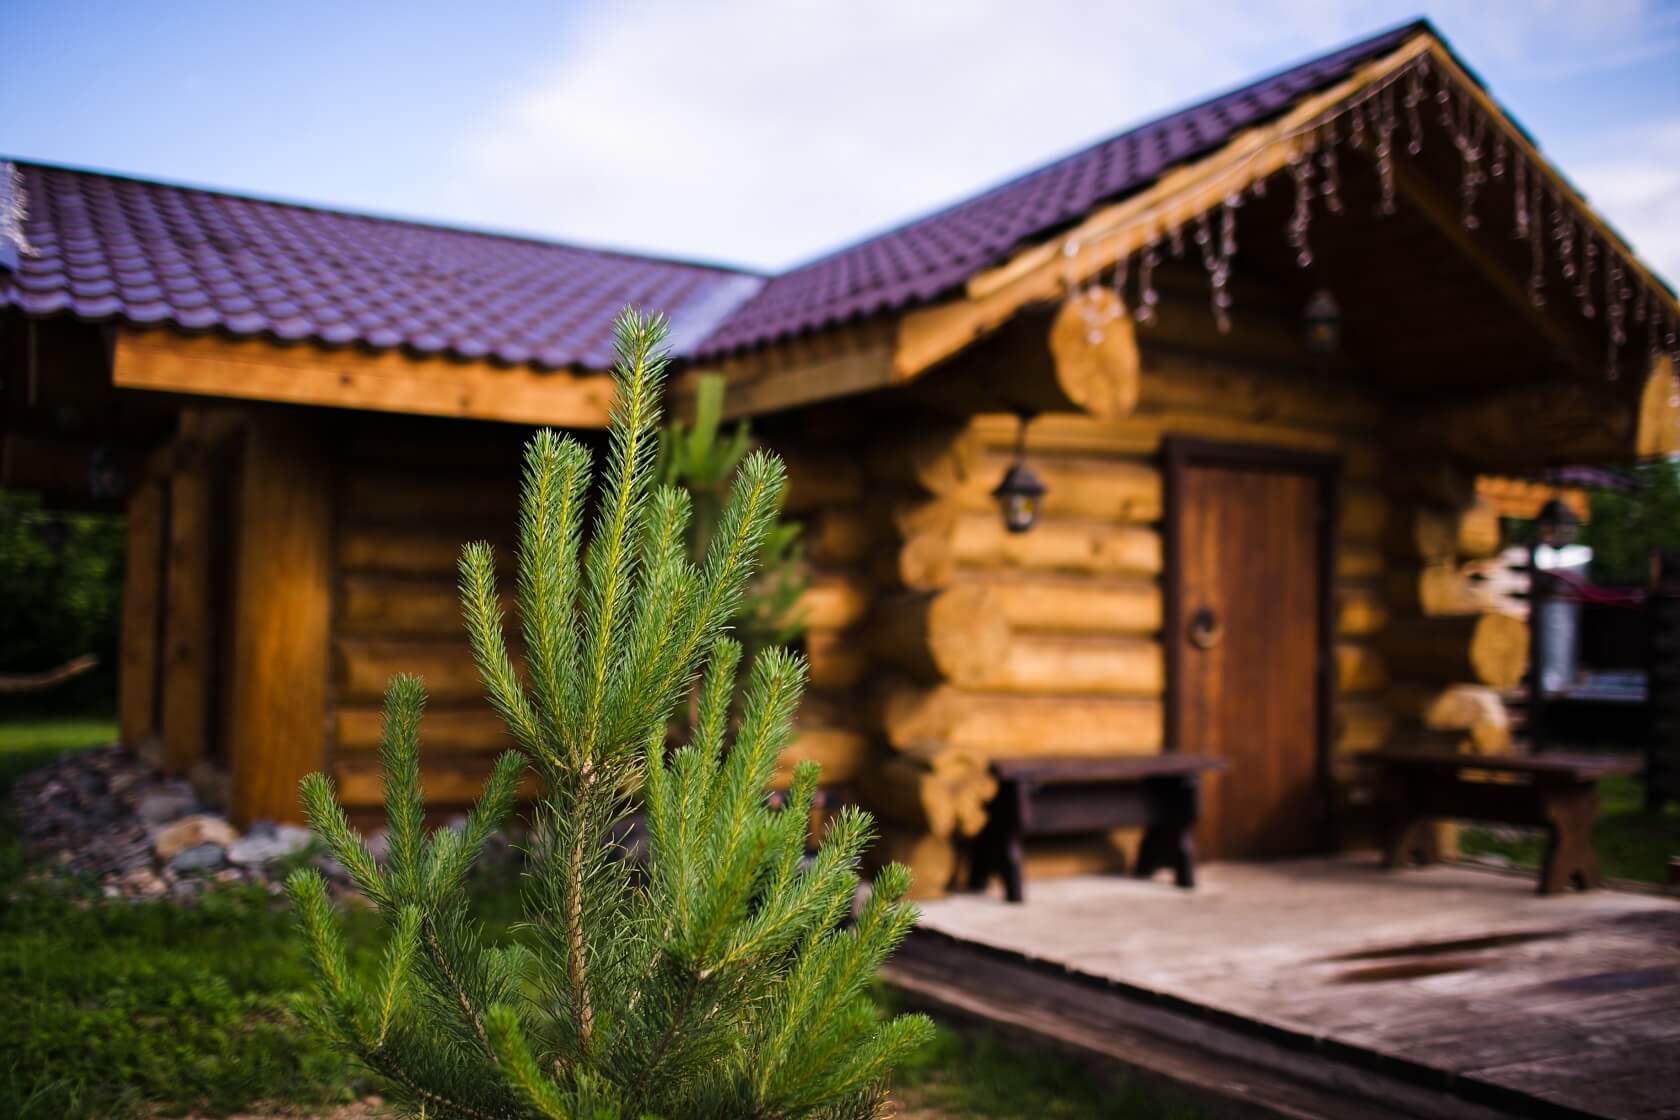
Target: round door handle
<point>1204,631</point>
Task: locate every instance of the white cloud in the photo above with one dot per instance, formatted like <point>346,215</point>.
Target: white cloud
<point>763,131</point>
<point>1634,179</point>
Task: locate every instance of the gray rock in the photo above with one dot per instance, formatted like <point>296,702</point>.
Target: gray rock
<point>160,806</point>
<point>257,848</point>
<point>199,857</point>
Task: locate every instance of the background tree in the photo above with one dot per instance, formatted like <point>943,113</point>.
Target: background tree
<point>702,459</point>
<point>720,979</point>
<point>60,589</point>
<point>1626,525</point>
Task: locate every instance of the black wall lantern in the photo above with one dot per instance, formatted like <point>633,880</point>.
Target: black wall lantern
<point>1020,496</point>
<point>1556,524</point>
<point>1324,324</point>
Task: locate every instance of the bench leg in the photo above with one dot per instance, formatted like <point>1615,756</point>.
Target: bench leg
<point>1570,859</point>
<point>1411,842</point>
<point>998,851</point>
<point>1169,841</point>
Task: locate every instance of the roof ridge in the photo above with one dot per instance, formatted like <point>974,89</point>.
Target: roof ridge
<point>388,219</point>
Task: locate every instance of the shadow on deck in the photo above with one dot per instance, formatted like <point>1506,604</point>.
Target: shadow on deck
<point>1325,987</point>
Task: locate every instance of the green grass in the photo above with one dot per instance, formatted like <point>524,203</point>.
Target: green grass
<point>26,744</point>
<point>1631,843</point>
<point>118,1009</point>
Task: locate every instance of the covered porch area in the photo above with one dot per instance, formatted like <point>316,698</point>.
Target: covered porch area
<point>1327,987</point>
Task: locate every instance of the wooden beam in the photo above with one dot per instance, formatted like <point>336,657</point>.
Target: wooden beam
<point>142,610</point>
<point>187,626</point>
<point>282,598</point>
<point>1577,421</point>
<point>389,381</point>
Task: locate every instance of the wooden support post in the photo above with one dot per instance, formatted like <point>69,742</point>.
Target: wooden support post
<point>187,629</point>
<point>281,609</point>
<point>142,612</point>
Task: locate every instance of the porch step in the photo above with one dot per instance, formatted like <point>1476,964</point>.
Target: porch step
<point>1233,1067</point>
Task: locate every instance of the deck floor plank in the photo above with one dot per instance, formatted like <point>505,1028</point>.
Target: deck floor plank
<point>1573,1001</point>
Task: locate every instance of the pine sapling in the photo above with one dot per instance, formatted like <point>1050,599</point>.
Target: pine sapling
<point>725,975</point>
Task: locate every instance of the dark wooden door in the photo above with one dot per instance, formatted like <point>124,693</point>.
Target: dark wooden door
<point>1249,554</point>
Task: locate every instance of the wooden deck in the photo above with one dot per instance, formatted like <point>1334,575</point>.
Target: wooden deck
<point>1446,991</point>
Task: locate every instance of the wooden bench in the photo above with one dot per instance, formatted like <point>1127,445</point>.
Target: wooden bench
<point>1063,796</point>
<point>1556,792</point>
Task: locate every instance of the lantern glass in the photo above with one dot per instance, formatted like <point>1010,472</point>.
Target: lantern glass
<point>1324,324</point>
<point>1556,525</point>
<point>1020,497</point>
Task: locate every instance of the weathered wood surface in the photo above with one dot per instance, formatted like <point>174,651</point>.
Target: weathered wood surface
<point>1462,978</point>
<point>282,615</point>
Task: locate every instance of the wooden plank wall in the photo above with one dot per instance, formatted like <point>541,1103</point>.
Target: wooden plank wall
<point>402,516</point>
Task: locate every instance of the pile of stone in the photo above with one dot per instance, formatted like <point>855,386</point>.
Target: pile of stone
<point>106,815</point>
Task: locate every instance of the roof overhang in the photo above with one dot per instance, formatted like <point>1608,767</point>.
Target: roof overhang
<point>1607,419</point>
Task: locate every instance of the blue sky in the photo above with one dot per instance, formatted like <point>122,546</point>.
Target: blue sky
<point>758,132</point>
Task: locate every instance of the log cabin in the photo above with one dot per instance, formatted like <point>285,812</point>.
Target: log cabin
<point>1266,345</point>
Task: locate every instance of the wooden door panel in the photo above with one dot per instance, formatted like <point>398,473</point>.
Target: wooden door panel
<point>1248,556</point>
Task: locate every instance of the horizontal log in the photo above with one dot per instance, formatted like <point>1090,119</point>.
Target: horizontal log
<point>1361,514</point>
<point>1360,611</point>
<point>1002,725</point>
<point>1185,384</point>
<point>467,729</point>
<point>1076,486</point>
<point>843,754</point>
<point>943,461</point>
<point>1358,561</point>
<point>1361,725</point>
<point>1359,668</point>
<point>1430,482</point>
<point>1473,713</point>
<point>956,635</point>
<point>443,782</point>
<point>1421,533</point>
<point>410,551</point>
<point>931,860</point>
<point>818,480</point>
<point>836,659</point>
<point>377,606</point>
<point>1072,604</point>
<point>1037,663</point>
<point>1140,435</point>
<point>833,600</point>
<point>1490,649</point>
<point>944,790</point>
<point>1094,353</point>
<point>362,669</point>
<point>838,535</point>
<point>1478,531</point>
<point>1433,589</point>
<point>1053,545</point>
<point>377,495</point>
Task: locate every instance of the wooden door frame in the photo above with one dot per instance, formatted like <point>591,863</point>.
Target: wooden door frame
<point>1178,455</point>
